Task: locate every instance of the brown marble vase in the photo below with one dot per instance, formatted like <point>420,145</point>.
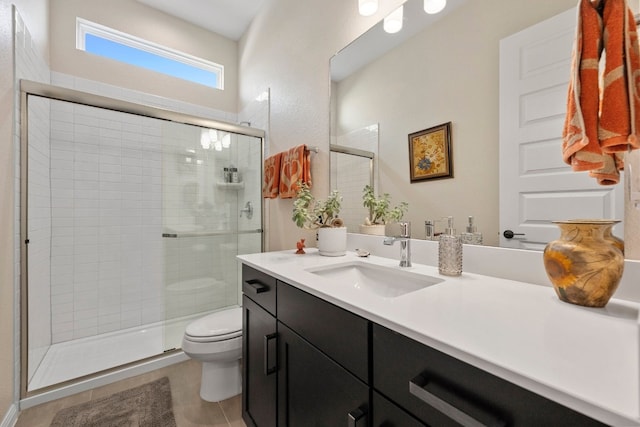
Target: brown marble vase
<point>585,264</point>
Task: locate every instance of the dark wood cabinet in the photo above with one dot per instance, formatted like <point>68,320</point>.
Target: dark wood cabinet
<point>387,414</point>
<point>314,390</point>
<point>259,348</point>
<point>259,352</point>
<point>443,391</point>
<point>308,362</point>
<point>338,333</point>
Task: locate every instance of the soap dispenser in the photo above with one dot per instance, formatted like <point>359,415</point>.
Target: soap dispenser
<point>472,236</point>
<point>450,251</point>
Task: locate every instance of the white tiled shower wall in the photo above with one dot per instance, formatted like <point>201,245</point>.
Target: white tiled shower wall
<point>106,192</point>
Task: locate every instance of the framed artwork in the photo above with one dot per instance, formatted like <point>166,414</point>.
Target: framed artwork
<point>430,153</point>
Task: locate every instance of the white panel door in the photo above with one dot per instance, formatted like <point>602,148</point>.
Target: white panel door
<point>536,186</point>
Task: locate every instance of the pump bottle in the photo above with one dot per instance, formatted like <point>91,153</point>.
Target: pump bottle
<point>450,251</point>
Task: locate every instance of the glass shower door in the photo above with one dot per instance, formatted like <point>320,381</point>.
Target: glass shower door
<point>212,211</point>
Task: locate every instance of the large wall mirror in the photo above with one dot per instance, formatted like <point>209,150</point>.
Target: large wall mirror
<point>447,71</point>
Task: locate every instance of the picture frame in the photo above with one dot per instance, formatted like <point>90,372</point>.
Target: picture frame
<point>430,153</point>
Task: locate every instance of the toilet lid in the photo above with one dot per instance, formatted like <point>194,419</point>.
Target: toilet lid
<point>218,326</point>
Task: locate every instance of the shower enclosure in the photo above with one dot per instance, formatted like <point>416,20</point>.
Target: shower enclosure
<point>354,164</point>
<point>131,222</point>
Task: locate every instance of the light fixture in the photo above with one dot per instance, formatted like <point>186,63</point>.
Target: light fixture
<point>367,7</point>
<point>393,22</point>
<point>217,145</point>
<point>226,140</point>
<point>434,6</point>
<point>205,140</point>
<point>213,134</point>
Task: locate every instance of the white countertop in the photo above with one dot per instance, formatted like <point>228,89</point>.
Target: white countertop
<point>584,358</point>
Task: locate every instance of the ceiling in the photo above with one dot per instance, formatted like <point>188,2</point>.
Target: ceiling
<point>229,18</point>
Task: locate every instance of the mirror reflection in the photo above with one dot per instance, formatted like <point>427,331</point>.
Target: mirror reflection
<point>445,72</point>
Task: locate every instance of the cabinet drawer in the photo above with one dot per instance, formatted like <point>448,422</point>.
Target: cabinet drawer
<point>341,335</point>
<point>260,287</point>
<point>421,379</point>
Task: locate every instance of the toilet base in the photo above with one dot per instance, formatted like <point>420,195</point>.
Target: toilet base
<point>220,381</point>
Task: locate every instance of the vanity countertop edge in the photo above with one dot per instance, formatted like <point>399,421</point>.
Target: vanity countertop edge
<point>586,359</point>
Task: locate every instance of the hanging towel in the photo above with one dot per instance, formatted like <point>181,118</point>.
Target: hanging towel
<point>620,101</point>
<point>271,184</point>
<point>295,166</point>
<point>580,145</point>
<point>617,130</point>
<point>601,122</point>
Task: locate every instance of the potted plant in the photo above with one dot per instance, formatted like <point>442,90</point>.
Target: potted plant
<point>311,213</point>
<point>380,212</point>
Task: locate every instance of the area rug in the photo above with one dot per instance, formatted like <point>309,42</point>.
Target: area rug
<point>148,405</point>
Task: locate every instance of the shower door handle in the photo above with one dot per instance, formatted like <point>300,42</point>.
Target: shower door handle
<point>268,368</point>
<point>248,209</point>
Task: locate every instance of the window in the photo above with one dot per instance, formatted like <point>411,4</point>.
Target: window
<point>107,42</point>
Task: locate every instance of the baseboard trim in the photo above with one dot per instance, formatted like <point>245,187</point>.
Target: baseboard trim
<point>11,417</point>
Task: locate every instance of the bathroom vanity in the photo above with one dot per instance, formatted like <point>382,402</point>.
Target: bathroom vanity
<point>473,351</point>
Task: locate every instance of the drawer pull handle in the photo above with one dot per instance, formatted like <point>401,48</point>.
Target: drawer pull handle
<point>357,418</point>
<point>418,388</point>
<point>256,286</point>
<point>268,369</point>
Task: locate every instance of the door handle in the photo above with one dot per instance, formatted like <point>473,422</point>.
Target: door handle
<point>268,369</point>
<point>357,418</point>
<point>256,286</point>
<point>418,388</point>
<point>508,234</point>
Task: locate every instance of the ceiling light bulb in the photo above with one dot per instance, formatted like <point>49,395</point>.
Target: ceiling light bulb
<point>205,140</point>
<point>434,6</point>
<point>217,145</point>
<point>213,134</point>
<point>226,140</point>
<point>367,7</point>
<point>393,22</point>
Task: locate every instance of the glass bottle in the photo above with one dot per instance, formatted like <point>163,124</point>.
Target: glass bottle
<point>450,251</point>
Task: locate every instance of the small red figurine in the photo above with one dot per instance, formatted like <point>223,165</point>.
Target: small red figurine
<point>300,246</point>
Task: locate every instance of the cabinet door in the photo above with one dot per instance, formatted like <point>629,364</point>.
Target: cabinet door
<point>259,352</point>
<point>313,390</point>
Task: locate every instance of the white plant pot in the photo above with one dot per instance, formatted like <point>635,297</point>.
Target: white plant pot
<point>374,229</point>
<point>332,241</point>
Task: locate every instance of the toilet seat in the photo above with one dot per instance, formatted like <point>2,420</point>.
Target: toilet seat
<point>219,326</point>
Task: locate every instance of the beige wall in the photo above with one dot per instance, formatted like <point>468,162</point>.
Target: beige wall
<point>134,18</point>
<point>449,72</point>
<point>287,48</point>
<point>277,52</point>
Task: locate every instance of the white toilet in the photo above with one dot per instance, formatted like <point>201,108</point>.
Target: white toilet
<point>216,341</point>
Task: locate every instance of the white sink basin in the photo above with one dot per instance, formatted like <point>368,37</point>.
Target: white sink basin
<point>387,282</point>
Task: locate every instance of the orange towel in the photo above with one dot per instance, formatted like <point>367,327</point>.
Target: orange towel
<point>600,126</point>
<point>271,184</point>
<point>580,145</point>
<point>295,166</point>
<point>618,120</point>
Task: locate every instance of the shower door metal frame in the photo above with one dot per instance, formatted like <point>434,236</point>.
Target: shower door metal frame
<point>43,90</point>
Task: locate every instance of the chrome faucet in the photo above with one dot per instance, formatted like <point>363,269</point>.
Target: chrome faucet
<point>405,243</point>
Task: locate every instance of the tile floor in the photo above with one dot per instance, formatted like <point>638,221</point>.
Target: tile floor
<point>188,408</point>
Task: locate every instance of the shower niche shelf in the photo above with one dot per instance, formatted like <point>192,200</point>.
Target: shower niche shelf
<point>230,185</point>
